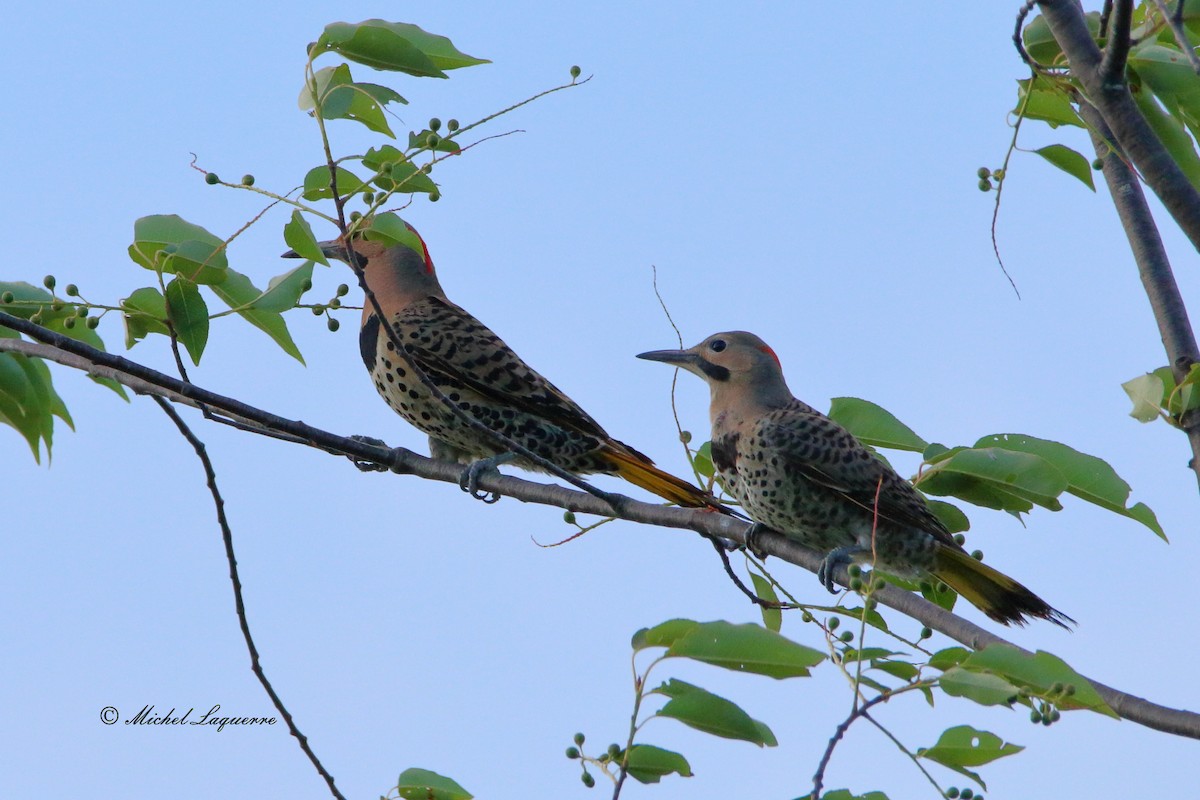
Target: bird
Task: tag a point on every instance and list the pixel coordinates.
(476, 371)
(796, 471)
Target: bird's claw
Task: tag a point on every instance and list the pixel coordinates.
(365, 465)
(752, 534)
(838, 557)
(468, 481)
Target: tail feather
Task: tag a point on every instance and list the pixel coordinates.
(640, 471)
(991, 591)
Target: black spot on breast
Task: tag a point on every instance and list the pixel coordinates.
(724, 452)
(368, 340)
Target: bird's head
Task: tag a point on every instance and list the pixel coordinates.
(733, 361)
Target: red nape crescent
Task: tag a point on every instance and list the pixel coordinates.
(771, 353)
(425, 249)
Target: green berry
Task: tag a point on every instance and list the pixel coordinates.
(942, 588)
(569, 517)
(578, 738)
(833, 623)
(435, 124)
(72, 290)
(977, 555)
(614, 751)
(855, 570)
(49, 282)
(926, 633)
(247, 180)
(806, 617)
(81, 311)
(1057, 688)
(56, 306)
(427, 168)
(318, 310)
(966, 794)
(925, 586)
(433, 139)
(1035, 716)
(343, 290)
(572, 753)
(355, 216)
(952, 793)
(960, 539)
(847, 636)
(368, 197)
(306, 285)
(984, 172)
(93, 323)
(1098, 164)
(588, 780)
(878, 584)
(998, 174)
(985, 185)
(856, 584)
(575, 72)
(335, 303)
(1055, 716)
(1012, 699)
(211, 178)
(452, 125)
(69, 322)
(434, 197)
(1069, 689)
(333, 325)
(685, 436)
(8, 297)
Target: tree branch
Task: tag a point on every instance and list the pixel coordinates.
(1114, 102)
(1154, 267)
(78, 355)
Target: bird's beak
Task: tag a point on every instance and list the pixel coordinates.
(680, 358)
(330, 249)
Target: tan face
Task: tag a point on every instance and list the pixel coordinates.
(722, 357)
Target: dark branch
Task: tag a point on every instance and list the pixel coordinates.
(1154, 267)
(227, 536)
(1116, 52)
(84, 357)
(1174, 21)
(839, 732)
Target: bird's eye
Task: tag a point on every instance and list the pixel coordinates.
(716, 345)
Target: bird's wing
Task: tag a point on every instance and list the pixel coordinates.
(451, 344)
(826, 454)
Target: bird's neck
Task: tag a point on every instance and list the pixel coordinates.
(396, 289)
(733, 404)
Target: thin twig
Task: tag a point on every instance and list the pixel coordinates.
(839, 732)
(1175, 23)
(227, 537)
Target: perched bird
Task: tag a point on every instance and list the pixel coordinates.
(798, 472)
(480, 374)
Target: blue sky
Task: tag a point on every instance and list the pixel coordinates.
(808, 176)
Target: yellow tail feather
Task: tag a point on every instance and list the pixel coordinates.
(991, 591)
(641, 472)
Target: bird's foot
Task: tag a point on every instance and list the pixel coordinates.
(363, 464)
(469, 480)
(755, 530)
(838, 557)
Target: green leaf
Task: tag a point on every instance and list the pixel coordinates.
(846, 794)
(170, 244)
(239, 293)
(1088, 478)
(702, 462)
(422, 784)
(317, 183)
(145, 312)
(1170, 131)
(772, 617)
(421, 140)
(950, 516)
(299, 236)
(1039, 671)
(662, 635)
(1069, 161)
(390, 230)
(283, 291)
(1041, 44)
(395, 173)
(27, 398)
(189, 315)
(700, 709)
(984, 688)
(948, 657)
(996, 478)
(1047, 102)
(1146, 392)
(339, 97)
(963, 746)
(874, 425)
(394, 46)
(1168, 73)
(646, 763)
(745, 648)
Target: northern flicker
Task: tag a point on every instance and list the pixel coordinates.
(798, 472)
(479, 373)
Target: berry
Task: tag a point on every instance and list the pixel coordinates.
(435, 124)
(335, 303)
(427, 168)
(1098, 164)
(368, 197)
(685, 436)
(855, 570)
(81, 311)
(306, 285)
(588, 780)
(434, 197)
(343, 290)
(247, 180)
(1035, 716)
(8, 297)
(614, 751)
(572, 753)
(578, 738)
(318, 310)
(433, 139)
(452, 125)
(569, 517)
(806, 617)
(333, 325)
(966, 794)
(960, 539)
(985, 185)
(847, 636)
(833, 623)
(575, 72)
(1069, 689)
(926, 633)
(998, 174)
(984, 172)
(977, 555)
(72, 290)
(211, 178)
(952, 793)
(355, 216)
(93, 323)
(856, 584)
(56, 306)
(49, 282)
(69, 322)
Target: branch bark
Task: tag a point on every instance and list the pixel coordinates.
(143, 380)
(1106, 89)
